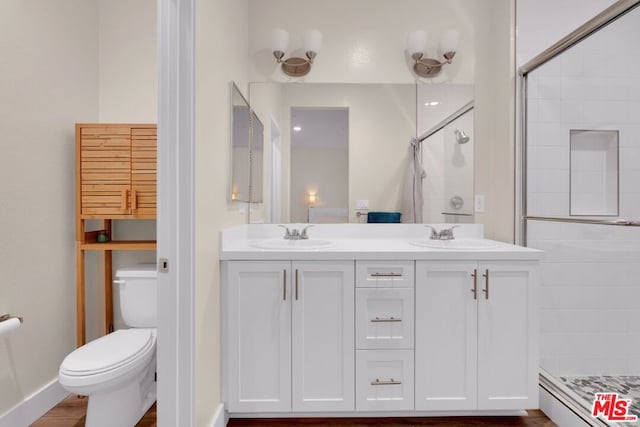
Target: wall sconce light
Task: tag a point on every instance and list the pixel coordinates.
(295, 66)
(429, 67)
(311, 198)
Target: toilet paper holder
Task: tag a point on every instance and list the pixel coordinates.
(9, 316)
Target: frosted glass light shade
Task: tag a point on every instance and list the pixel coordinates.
(449, 41)
(416, 42)
(279, 40)
(312, 40)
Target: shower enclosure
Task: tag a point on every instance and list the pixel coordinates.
(581, 205)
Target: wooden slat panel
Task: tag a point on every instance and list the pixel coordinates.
(101, 199)
(121, 177)
(109, 154)
(110, 187)
(144, 131)
(146, 144)
(139, 154)
(105, 143)
(119, 164)
(105, 130)
(101, 211)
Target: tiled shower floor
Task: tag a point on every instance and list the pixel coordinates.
(627, 387)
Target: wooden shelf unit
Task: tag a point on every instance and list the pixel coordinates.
(115, 180)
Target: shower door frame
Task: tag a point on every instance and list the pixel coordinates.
(601, 20)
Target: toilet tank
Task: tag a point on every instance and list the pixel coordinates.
(137, 289)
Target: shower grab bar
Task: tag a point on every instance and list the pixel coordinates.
(618, 222)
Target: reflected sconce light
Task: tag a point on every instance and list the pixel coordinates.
(430, 67)
(295, 66)
(311, 198)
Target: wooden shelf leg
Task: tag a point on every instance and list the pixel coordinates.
(108, 283)
(80, 327)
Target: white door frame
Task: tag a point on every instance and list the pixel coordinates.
(275, 134)
(176, 212)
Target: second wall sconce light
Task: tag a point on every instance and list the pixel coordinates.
(295, 66)
(311, 198)
(430, 67)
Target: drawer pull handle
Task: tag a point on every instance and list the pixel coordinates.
(388, 320)
(388, 382)
(386, 274)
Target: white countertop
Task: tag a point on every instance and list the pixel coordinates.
(363, 242)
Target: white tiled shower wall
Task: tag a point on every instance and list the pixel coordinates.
(590, 293)
(590, 298)
(586, 87)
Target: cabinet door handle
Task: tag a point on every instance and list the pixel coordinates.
(284, 285)
(486, 284)
(475, 283)
(387, 320)
(124, 200)
(386, 382)
(296, 284)
(134, 200)
(386, 274)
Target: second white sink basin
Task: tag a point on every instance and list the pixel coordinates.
(456, 244)
(292, 245)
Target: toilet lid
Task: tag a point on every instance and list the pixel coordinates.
(108, 352)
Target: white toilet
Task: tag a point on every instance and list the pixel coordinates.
(117, 371)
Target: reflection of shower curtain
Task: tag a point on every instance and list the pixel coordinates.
(412, 199)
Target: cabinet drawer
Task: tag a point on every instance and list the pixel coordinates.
(384, 318)
(384, 380)
(383, 274)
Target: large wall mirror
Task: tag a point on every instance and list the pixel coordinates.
(346, 146)
(247, 148)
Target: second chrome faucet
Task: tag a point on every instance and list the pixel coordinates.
(444, 234)
(295, 234)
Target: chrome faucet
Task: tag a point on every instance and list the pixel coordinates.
(295, 234)
(444, 234)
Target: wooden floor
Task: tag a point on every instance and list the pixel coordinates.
(70, 413)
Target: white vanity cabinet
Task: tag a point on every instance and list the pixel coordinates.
(476, 335)
(289, 329)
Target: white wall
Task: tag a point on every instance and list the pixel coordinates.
(221, 56)
(364, 41)
(541, 23)
(49, 82)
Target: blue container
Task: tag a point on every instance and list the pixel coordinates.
(377, 217)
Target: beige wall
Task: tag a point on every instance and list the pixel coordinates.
(49, 69)
(494, 118)
(221, 56)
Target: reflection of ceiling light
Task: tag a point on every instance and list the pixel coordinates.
(431, 104)
(297, 128)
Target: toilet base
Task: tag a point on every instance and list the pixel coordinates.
(124, 406)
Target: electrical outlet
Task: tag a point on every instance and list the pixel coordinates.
(478, 202)
(362, 204)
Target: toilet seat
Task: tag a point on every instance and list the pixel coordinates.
(110, 354)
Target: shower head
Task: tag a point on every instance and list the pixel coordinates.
(461, 137)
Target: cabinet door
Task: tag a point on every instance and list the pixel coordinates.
(104, 154)
(258, 325)
(323, 336)
(446, 336)
(507, 336)
(143, 172)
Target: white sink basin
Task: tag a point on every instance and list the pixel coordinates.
(292, 245)
(456, 244)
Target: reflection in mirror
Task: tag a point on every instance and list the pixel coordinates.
(257, 158)
(381, 121)
(240, 136)
(446, 125)
(319, 165)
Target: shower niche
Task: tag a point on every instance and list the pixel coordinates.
(593, 172)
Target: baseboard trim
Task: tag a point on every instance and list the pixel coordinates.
(34, 406)
(219, 418)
